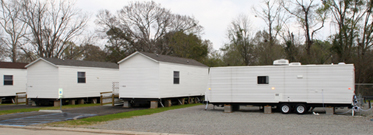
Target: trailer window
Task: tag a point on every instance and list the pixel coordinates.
(8, 79)
(263, 80)
(81, 77)
(176, 77)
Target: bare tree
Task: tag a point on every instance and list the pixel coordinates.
(354, 34)
(273, 16)
(52, 26)
(14, 28)
(310, 14)
(347, 15)
(366, 41)
(141, 24)
(240, 35)
(3, 49)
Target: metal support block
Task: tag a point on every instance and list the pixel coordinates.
(369, 104)
(80, 101)
(153, 104)
(168, 103)
(126, 104)
(267, 109)
(228, 108)
(56, 103)
(72, 102)
(94, 100)
(33, 103)
(1, 100)
(329, 110)
(182, 101)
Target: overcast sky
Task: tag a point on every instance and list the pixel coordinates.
(213, 15)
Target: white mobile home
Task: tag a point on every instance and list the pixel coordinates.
(77, 79)
(153, 77)
(287, 86)
(13, 79)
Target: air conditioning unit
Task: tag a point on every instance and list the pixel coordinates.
(281, 62)
(295, 64)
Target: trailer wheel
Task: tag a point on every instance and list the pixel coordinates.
(285, 108)
(301, 108)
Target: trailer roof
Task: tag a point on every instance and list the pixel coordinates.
(79, 63)
(13, 65)
(166, 58)
(308, 65)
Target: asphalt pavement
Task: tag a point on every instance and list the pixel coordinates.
(32, 118)
(13, 107)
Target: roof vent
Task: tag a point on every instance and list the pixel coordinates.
(281, 62)
(341, 63)
(295, 64)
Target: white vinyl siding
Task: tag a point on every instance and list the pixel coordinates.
(139, 78)
(306, 83)
(245, 84)
(19, 81)
(42, 80)
(193, 80)
(96, 80)
(330, 84)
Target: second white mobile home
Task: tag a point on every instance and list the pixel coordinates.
(153, 77)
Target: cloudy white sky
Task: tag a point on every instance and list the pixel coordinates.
(213, 15)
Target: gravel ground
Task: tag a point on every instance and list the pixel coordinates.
(195, 120)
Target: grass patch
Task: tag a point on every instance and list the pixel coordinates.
(7, 104)
(45, 108)
(104, 118)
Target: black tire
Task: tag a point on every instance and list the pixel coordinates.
(301, 108)
(285, 108)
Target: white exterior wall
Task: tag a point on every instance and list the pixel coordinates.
(332, 83)
(139, 78)
(239, 84)
(193, 80)
(97, 80)
(306, 83)
(19, 81)
(42, 80)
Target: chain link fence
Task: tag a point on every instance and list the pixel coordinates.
(364, 89)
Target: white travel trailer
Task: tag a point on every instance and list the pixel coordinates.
(13, 78)
(286, 86)
(77, 79)
(152, 77)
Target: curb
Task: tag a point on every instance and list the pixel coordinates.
(102, 131)
(51, 111)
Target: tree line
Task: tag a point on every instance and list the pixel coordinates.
(350, 43)
(32, 29)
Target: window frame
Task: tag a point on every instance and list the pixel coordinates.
(8, 80)
(263, 80)
(81, 79)
(176, 77)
